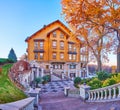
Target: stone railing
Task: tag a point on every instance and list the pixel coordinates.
(109, 93)
(73, 93)
(25, 104)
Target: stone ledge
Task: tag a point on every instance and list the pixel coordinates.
(18, 105)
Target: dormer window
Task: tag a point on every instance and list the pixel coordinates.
(54, 34)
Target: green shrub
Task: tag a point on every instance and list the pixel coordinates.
(102, 75)
(38, 80)
(77, 80)
(109, 82)
(95, 83)
(46, 79)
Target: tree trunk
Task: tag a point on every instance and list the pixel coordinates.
(118, 58)
(99, 65)
(118, 52)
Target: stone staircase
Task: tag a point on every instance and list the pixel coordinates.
(55, 77)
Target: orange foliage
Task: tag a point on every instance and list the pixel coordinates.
(93, 21)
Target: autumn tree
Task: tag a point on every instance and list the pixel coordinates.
(113, 23)
(87, 19)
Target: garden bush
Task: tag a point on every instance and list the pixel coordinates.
(46, 79)
(108, 82)
(77, 81)
(38, 80)
(95, 83)
(102, 75)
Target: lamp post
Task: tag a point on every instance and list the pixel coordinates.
(84, 69)
(62, 75)
(51, 70)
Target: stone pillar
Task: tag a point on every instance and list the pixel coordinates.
(83, 91)
(35, 93)
(37, 71)
(66, 90)
(80, 73)
(68, 72)
(76, 73)
(42, 72)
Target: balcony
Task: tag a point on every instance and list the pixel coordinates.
(38, 51)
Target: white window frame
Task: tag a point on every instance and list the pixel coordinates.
(41, 55)
(41, 44)
(70, 56)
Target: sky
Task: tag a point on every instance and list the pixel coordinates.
(21, 18)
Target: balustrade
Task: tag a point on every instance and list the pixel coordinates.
(105, 93)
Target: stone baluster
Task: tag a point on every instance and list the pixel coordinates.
(105, 94)
(118, 91)
(94, 95)
(91, 95)
(101, 94)
(110, 95)
(98, 95)
(114, 92)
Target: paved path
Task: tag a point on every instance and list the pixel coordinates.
(52, 98)
(58, 101)
(56, 86)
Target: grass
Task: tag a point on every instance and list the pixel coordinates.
(8, 91)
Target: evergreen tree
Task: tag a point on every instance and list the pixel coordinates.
(12, 55)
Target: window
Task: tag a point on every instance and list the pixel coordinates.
(73, 66)
(61, 45)
(36, 56)
(61, 67)
(54, 44)
(70, 47)
(54, 34)
(70, 56)
(54, 55)
(74, 48)
(61, 35)
(36, 45)
(47, 66)
(41, 55)
(74, 57)
(41, 44)
(61, 55)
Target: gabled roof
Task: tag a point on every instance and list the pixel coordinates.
(47, 27)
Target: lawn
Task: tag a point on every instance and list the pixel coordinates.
(8, 91)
